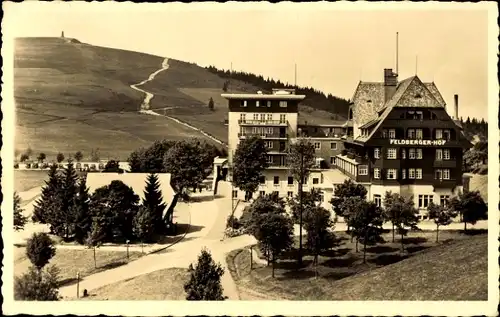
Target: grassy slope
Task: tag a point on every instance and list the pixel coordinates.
(458, 271)
(78, 92)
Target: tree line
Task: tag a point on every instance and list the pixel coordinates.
(267, 221)
(314, 98)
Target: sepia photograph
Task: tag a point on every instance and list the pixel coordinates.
(252, 158)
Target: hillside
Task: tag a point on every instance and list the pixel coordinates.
(67, 90)
(453, 271)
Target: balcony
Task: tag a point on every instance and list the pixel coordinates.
(262, 122)
(263, 135)
(445, 163)
(444, 183)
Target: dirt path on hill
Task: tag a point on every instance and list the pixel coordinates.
(146, 106)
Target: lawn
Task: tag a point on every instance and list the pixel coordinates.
(343, 263)
(166, 284)
(71, 261)
(26, 180)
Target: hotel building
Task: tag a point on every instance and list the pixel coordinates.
(398, 137)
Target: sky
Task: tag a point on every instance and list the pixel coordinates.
(333, 48)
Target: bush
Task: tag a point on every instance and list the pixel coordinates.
(28, 165)
(40, 249)
(230, 232)
(37, 285)
(16, 165)
(45, 165)
(233, 222)
(35, 165)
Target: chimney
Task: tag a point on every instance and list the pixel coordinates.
(456, 107)
(390, 83)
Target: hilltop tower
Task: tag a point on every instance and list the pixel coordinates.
(62, 34)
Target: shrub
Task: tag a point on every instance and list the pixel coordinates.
(37, 285)
(16, 165)
(233, 222)
(40, 249)
(35, 165)
(45, 165)
(28, 165)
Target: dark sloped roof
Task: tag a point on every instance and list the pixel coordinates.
(368, 99)
(369, 124)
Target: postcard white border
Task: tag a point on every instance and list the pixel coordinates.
(293, 308)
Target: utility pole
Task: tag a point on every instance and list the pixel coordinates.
(397, 53)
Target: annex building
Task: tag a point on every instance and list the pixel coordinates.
(398, 137)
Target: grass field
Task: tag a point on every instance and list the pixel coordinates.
(71, 261)
(26, 180)
(387, 275)
(167, 284)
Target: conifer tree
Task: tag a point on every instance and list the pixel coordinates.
(69, 191)
(19, 219)
(44, 207)
(204, 283)
(153, 202)
(81, 212)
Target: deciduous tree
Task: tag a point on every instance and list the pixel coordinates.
(19, 219)
(59, 157)
(471, 207)
(366, 222)
(41, 157)
(249, 161)
(343, 191)
(301, 159)
(144, 225)
(78, 156)
(441, 215)
(310, 200)
(401, 211)
(112, 166)
(40, 249)
(205, 279)
(319, 226)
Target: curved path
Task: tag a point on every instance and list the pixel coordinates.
(146, 106)
(206, 232)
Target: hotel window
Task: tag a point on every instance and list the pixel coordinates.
(411, 173)
(392, 133)
(270, 159)
(262, 117)
(317, 145)
(257, 103)
(363, 170)
(269, 103)
(439, 155)
(290, 180)
(262, 179)
(418, 173)
(256, 116)
(419, 154)
(439, 134)
(419, 115)
(443, 199)
(333, 145)
(376, 153)
(262, 193)
(269, 116)
(321, 196)
(376, 173)
(391, 153)
(391, 173)
(446, 134)
(315, 181)
(283, 104)
(242, 117)
(384, 133)
(403, 173)
(411, 154)
(235, 193)
(411, 133)
(282, 118)
(438, 174)
(403, 154)
(446, 174)
(333, 160)
(276, 180)
(269, 130)
(378, 200)
(243, 103)
(446, 154)
(419, 134)
(424, 200)
(269, 144)
(276, 193)
(290, 194)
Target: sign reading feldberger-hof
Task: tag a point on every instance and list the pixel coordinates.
(418, 142)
